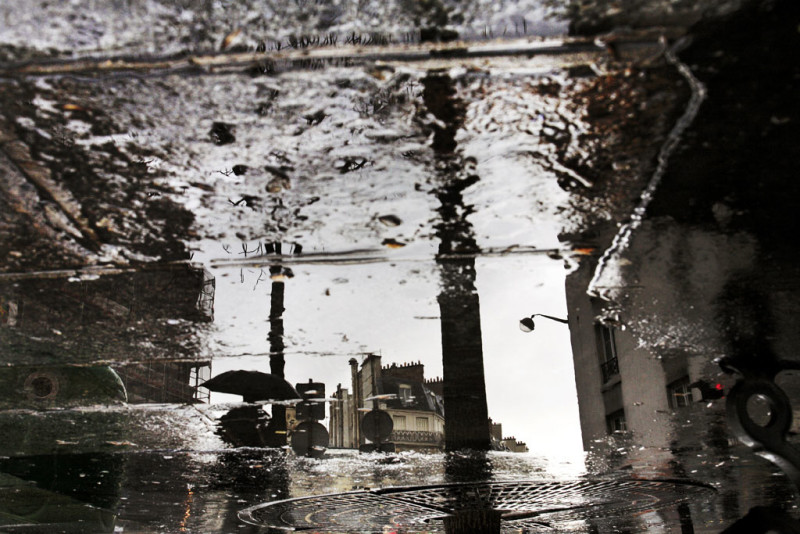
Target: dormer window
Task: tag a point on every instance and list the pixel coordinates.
(404, 394)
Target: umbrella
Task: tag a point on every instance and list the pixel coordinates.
(252, 386)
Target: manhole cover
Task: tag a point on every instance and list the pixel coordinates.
(535, 506)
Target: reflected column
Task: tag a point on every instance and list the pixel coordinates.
(466, 414)
(276, 432)
(474, 511)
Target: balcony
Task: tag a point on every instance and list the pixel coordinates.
(610, 368)
(417, 436)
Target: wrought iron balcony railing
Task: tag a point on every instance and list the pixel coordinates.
(416, 436)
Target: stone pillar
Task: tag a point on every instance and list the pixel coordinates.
(466, 414)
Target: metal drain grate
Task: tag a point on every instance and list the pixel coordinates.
(532, 506)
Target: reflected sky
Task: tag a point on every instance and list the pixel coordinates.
(392, 311)
(336, 165)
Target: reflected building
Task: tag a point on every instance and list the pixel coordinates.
(500, 442)
(165, 382)
(415, 403)
(688, 298)
(171, 381)
(709, 274)
(417, 411)
(512, 444)
(658, 409)
(624, 386)
(144, 319)
(711, 270)
(77, 339)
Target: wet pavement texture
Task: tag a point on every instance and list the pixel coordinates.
(355, 204)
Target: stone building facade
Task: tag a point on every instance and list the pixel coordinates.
(417, 411)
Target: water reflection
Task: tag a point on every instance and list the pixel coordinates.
(411, 187)
(80, 346)
(464, 389)
(694, 315)
(122, 315)
(72, 492)
(277, 429)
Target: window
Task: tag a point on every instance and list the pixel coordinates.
(422, 424)
(607, 347)
(616, 422)
(405, 394)
(399, 422)
(608, 343)
(8, 315)
(679, 393)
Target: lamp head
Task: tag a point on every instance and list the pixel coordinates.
(526, 324)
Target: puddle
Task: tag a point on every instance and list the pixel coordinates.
(247, 263)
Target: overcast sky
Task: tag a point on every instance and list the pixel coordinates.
(334, 313)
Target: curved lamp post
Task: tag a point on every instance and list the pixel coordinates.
(526, 324)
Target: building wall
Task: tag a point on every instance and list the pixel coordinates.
(348, 409)
(369, 378)
(436, 385)
(514, 445)
(412, 437)
(586, 360)
(644, 392)
(346, 413)
(435, 421)
(342, 420)
(345, 417)
(640, 389)
(496, 430)
(162, 382)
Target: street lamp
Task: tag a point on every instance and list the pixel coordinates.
(526, 324)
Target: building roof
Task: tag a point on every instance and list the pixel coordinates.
(421, 398)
